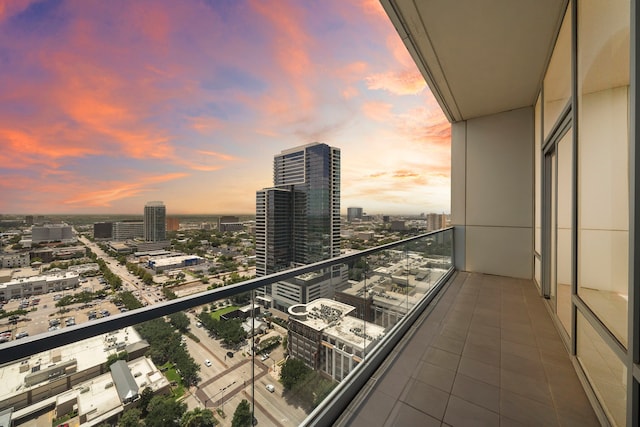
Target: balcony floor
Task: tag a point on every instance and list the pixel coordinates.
(487, 354)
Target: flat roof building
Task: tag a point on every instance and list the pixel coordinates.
(324, 335)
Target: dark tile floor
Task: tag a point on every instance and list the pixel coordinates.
(487, 354)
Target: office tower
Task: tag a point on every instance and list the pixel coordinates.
(354, 213)
(155, 221)
(103, 230)
(298, 220)
(127, 229)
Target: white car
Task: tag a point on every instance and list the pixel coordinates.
(207, 362)
(270, 388)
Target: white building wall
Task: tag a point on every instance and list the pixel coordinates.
(492, 208)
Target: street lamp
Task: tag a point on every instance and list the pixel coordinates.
(222, 391)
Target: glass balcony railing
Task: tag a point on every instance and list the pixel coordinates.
(291, 348)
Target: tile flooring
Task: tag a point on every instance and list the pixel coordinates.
(487, 354)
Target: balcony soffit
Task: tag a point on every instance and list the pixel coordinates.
(479, 57)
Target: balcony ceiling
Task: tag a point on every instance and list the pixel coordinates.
(479, 57)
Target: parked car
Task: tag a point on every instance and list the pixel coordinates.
(270, 388)
(207, 362)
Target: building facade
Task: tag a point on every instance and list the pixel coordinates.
(173, 223)
(103, 230)
(324, 335)
(14, 260)
(298, 220)
(155, 221)
(125, 230)
(354, 213)
(52, 233)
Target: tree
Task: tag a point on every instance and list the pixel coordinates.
(113, 358)
(198, 418)
(242, 415)
(293, 372)
(130, 418)
(145, 398)
(164, 412)
(180, 321)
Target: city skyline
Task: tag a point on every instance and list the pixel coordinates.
(103, 108)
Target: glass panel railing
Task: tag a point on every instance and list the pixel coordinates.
(164, 352)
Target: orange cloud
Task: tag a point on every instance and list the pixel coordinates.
(397, 83)
(290, 48)
(205, 125)
(119, 190)
(350, 92)
(378, 111)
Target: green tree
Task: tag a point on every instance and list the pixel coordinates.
(242, 415)
(145, 398)
(130, 418)
(113, 358)
(180, 321)
(293, 372)
(198, 418)
(164, 412)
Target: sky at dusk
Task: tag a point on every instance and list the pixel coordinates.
(105, 105)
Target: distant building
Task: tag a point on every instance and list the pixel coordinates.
(128, 229)
(397, 225)
(226, 219)
(436, 221)
(327, 339)
(28, 219)
(230, 226)
(103, 230)
(160, 264)
(354, 213)
(173, 223)
(52, 233)
(155, 221)
(14, 260)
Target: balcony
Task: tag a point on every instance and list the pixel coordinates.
(398, 335)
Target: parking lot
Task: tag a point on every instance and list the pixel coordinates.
(43, 313)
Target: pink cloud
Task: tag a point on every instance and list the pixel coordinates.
(206, 125)
(116, 190)
(398, 83)
(378, 111)
(9, 8)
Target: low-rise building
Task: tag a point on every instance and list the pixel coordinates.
(35, 285)
(44, 376)
(52, 233)
(160, 264)
(326, 338)
(13, 260)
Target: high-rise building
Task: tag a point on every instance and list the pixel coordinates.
(298, 220)
(354, 213)
(155, 221)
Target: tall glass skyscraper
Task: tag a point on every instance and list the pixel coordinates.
(298, 219)
(155, 222)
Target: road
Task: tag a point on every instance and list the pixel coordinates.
(129, 281)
